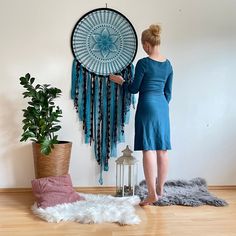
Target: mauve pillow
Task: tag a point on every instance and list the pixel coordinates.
(53, 190)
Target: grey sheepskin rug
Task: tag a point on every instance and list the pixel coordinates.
(181, 192)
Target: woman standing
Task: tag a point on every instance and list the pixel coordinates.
(153, 81)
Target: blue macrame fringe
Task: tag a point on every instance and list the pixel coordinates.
(74, 80)
(133, 98)
(96, 89)
(120, 137)
(111, 130)
(112, 109)
(104, 124)
(80, 97)
(87, 110)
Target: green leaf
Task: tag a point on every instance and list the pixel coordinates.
(26, 94)
(23, 139)
(23, 80)
(26, 126)
(27, 76)
(46, 146)
(32, 80)
(25, 120)
(33, 139)
(43, 128)
(29, 134)
(37, 86)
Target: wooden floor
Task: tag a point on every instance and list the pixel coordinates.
(16, 219)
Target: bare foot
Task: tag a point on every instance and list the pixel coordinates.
(149, 201)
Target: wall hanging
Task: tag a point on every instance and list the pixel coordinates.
(103, 42)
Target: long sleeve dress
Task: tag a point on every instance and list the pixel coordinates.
(153, 81)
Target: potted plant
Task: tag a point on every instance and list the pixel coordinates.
(40, 124)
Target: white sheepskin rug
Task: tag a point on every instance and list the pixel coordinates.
(95, 209)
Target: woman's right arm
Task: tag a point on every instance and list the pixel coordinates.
(134, 86)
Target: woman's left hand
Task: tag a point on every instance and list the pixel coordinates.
(117, 79)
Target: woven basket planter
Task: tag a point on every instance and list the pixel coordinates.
(56, 163)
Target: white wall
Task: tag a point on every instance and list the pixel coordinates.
(198, 37)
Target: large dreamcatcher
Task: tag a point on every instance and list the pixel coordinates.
(103, 42)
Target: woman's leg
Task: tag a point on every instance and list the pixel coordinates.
(162, 165)
(150, 173)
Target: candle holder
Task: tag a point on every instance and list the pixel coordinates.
(126, 174)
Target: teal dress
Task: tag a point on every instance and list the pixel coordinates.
(153, 81)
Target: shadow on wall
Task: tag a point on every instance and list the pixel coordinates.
(16, 162)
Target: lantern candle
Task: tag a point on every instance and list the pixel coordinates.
(126, 174)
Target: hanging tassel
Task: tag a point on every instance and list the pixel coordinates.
(128, 97)
(119, 114)
(108, 135)
(99, 122)
(74, 87)
(123, 113)
(84, 99)
(104, 124)
(112, 119)
(128, 94)
(132, 78)
(102, 128)
(80, 85)
(114, 144)
(133, 98)
(74, 80)
(87, 107)
(92, 108)
(96, 108)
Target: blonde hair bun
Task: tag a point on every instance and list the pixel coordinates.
(152, 35)
(155, 30)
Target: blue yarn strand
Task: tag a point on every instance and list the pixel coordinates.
(120, 137)
(74, 78)
(112, 109)
(104, 123)
(133, 98)
(80, 98)
(88, 113)
(96, 98)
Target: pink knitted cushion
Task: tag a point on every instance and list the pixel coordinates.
(53, 190)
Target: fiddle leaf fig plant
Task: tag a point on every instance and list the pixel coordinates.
(41, 117)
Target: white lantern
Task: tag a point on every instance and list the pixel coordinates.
(126, 174)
